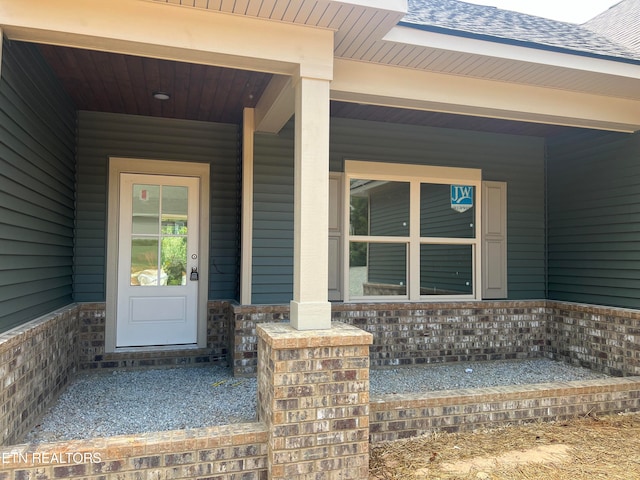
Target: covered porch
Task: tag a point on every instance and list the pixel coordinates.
(279, 149)
(289, 119)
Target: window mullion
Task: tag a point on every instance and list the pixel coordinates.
(448, 240)
(159, 260)
(377, 239)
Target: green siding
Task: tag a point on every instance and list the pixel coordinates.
(594, 219)
(37, 170)
(101, 136)
(273, 218)
(517, 160)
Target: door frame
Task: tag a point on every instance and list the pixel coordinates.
(118, 165)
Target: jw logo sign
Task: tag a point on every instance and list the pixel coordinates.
(461, 197)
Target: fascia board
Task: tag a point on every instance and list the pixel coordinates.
(399, 6)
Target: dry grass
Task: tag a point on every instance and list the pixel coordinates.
(607, 448)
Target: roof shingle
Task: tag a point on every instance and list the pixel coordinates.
(620, 23)
(507, 26)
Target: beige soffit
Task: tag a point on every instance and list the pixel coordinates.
(357, 23)
(477, 58)
(368, 30)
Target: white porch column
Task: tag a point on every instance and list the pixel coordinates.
(310, 308)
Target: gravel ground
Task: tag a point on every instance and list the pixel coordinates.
(126, 402)
(475, 375)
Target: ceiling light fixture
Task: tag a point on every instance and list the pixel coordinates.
(161, 95)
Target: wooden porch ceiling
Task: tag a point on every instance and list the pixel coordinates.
(116, 83)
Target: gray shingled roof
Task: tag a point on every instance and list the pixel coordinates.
(620, 23)
(461, 18)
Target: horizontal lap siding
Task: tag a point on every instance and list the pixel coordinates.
(37, 170)
(273, 218)
(111, 135)
(594, 219)
(517, 160)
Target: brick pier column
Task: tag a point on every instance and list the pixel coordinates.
(313, 395)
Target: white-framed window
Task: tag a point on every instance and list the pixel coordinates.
(412, 232)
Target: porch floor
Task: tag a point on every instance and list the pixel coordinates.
(129, 402)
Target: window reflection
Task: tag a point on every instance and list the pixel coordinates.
(379, 208)
(174, 259)
(442, 242)
(144, 263)
(174, 210)
(146, 209)
(175, 206)
(438, 219)
(159, 235)
(377, 269)
(446, 269)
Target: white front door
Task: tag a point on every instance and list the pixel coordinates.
(158, 260)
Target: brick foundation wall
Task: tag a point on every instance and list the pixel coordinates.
(603, 339)
(416, 334)
(245, 337)
(401, 416)
(37, 361)
(92, 355)
(327, 426)
(222, 453)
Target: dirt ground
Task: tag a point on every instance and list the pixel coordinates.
(582, 448)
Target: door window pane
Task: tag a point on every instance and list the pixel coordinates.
(439, 219)
(174, 210)
(144, 263)
(379, 208)
(446, 269)
(146, 209)
(377, 269)
(174, 260)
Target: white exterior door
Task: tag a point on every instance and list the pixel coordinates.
(158, 259)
